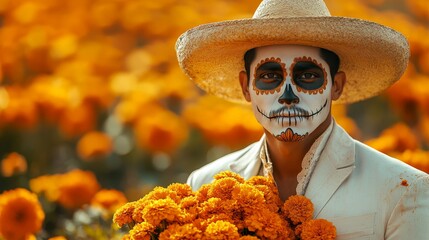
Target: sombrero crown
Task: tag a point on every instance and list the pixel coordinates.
(373, 56)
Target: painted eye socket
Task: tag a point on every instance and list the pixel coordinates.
(269, 76)
(308, 76)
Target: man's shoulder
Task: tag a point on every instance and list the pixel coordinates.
(205, 174)
(373, 160)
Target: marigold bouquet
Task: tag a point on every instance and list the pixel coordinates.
(228, 208)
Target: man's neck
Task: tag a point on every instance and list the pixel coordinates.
(287, 156)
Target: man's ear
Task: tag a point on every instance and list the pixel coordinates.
(338, 85)
(244, 83)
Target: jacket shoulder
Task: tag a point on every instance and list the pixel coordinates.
(385, 164)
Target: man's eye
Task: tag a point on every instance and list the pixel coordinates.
(308, 76)
(271, 76)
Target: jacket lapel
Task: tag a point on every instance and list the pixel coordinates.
(335, 164)
(249, 163)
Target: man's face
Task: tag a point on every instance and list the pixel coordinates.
(290, 89)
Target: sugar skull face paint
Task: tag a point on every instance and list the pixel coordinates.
(290, 91)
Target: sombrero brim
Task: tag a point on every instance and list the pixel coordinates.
(373, 56)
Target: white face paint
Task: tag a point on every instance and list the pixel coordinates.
(290, 88)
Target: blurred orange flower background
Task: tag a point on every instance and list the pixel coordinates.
(92, 101)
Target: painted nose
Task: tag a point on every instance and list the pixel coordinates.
(288, 97)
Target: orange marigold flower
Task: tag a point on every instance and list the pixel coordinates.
(221, 230)
(298, 209)
(223, 188)
(261, 180)
(399, 137)
(248, 198)
(12, 164)
(94, 145)
(109, 199)
(216, 206)
(58, 238)
(273, 201)
(318, 229)
(142, 231)
(181, 232)
(163, 209)
(76, 120)
(269, 189)
(161, 193)
(47, 185)
(248, 238)
(182, 190)
(269, 225)
(124, 214)
(77, 188)
(226, 174)
(202, 193)
(160, 131)
(21, 214)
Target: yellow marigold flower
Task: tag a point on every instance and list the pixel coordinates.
(189, 205)
(47, 185)
(226, 174)
(318, 229)
(163, 209)
(109, 199)
(124, 214)
(298, 209)
(182, 190)
(77, 188)
(221, 230)
(12, 164)
(268, 225)
(142, 231)
(20, 109)
(94, 145)
(21, 214)
(223, 188)
(181, 232)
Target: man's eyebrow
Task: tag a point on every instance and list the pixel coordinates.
(270, 66)
(304, 65)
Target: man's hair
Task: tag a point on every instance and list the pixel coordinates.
(330, 57)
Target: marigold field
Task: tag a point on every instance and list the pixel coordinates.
(95, 112)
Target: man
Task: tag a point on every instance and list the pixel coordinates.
(297, 59)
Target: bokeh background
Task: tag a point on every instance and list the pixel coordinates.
(91, 92)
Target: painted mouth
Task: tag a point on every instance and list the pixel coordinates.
(291, 115)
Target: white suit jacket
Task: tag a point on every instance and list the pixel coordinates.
(354, 186)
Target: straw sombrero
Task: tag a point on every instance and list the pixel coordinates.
(373, 56)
